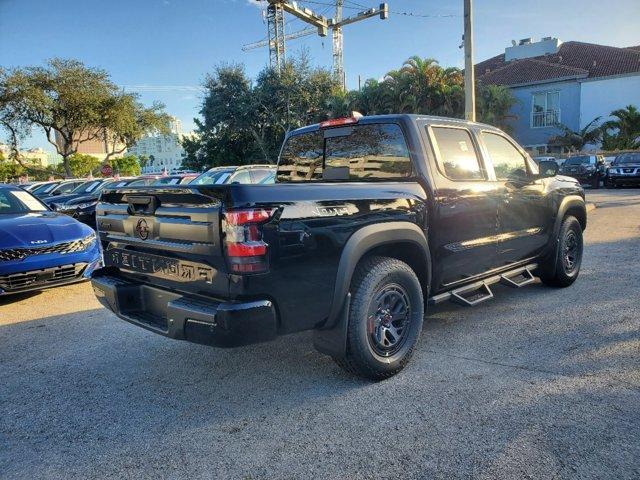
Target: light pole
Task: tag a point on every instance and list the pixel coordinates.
(469, 74)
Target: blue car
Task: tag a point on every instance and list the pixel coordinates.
(40, 248)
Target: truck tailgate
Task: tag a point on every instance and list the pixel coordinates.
(167, 236)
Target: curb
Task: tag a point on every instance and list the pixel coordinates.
(590, 206)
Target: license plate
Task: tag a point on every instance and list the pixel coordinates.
(157, 266)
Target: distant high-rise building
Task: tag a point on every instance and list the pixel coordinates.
(163, 151)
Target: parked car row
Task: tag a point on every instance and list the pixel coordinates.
(45, 234)
(596, 170)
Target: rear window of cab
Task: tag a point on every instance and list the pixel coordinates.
(370, 152)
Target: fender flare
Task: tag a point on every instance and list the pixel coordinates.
(331, 338)
(567, 202)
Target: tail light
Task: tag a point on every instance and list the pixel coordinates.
(244, 246)
(342, 122)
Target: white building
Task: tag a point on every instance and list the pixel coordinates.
(37, 155)
(163, 151)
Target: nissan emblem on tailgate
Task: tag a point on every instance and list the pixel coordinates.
(142, 229)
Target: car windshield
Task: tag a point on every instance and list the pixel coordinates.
(627, 158)
(582, 160)
(19, 201)
(212, 177)
(45, 187)
(167, 181)
(142, 182)
(87, 187)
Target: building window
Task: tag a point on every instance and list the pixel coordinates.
(546, 109)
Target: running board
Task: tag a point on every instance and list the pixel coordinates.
(472, 295)
(480, 291)
(511, 279)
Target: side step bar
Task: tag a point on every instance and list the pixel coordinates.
(517, 278)
(478, 292)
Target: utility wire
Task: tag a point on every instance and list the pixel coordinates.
(358, 6)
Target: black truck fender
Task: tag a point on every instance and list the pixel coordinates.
(331, 337)
(575, 205)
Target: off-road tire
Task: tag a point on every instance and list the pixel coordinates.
(565, 272)
(373, 278)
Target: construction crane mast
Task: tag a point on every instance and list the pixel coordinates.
(276, 35)
(338, 46)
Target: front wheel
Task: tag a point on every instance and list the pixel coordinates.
(385, 318)
(568, 258)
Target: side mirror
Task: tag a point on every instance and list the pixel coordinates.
(548, 168)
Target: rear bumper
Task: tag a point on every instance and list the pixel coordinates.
(219, 324)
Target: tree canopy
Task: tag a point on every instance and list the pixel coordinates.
(73, 104)
(245, 122)
(623, 130)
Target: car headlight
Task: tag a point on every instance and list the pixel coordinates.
(590, 168)
(89, 240)
(82, 206)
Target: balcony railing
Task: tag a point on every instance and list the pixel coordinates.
(548, 118)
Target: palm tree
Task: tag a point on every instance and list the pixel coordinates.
(625, 128)
(427, 82)
(494, 105)
(574, 141)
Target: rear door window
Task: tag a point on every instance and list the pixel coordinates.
(375, 152)
(456, 154)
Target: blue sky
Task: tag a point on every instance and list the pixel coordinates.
(164, 48)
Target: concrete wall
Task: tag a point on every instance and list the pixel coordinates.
(569, 108)
(599, 98)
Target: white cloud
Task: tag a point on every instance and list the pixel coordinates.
(261, 4)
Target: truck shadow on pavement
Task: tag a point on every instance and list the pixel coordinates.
(538, 380)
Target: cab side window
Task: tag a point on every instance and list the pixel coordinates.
(241, 177)
(456, 154)
(508, 162)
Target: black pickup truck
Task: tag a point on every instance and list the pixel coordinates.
(370, 219)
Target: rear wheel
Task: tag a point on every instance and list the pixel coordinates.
(385, 318)
(568, 258)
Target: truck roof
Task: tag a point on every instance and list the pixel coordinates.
(399, 118)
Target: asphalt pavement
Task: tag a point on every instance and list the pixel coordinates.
(537, 383)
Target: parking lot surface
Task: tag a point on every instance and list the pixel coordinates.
(537, 383)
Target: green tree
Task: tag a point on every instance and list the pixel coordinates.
(128, 165)
(64, 98)
(494, 104)
(246, 123)
(74, 104)
(575, 140)
(622, 132)
(125, 121)
(12, 117)
(80, 165)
